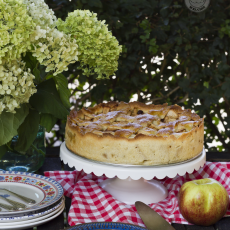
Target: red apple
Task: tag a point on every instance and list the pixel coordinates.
(203, 202)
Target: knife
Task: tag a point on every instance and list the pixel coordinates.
(151, 219)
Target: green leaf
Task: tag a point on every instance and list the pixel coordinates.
(153, 47)
(165, 3)
(3, 150)
(62, 87)
(9, 123)
(47, 100)
(166, 21)
(27, 132)
(31, 61)
(48, 121)
(49, 76)
(184, 83)
(216, 120)
(206, 84)
(164, 12)
(36, 73)
(95, 3)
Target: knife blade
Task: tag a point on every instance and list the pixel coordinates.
(151, 219)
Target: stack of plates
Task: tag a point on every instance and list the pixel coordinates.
(47, 200)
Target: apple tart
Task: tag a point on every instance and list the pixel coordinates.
(135, 133)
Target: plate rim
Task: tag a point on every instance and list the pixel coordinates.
(39, 214)
(106, 227)
(55, 184)
(39, 218)
(33, 224)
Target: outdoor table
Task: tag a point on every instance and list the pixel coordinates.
(53, 163)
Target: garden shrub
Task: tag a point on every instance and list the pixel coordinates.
(169, 54)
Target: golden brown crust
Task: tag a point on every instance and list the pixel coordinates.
(135, 133)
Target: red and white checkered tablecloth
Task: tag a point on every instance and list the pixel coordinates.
(90, 203)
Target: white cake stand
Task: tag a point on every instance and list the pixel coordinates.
(131, 183)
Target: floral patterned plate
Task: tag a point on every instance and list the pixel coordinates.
(106, 226)
(45, 191)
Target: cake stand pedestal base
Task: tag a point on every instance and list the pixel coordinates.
(129, 191)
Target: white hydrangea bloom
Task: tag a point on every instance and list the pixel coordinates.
(41, 13)
(16, 85)
(56, 51)
(51, 47)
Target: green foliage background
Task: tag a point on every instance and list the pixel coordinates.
(193, 70)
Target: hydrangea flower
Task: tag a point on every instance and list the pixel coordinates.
(30, 26)
(41, 13)
(16, 86)
(98, 49)
(51, 47)
(56, 51)
(16, 26)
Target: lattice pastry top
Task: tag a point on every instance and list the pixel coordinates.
(129, 120)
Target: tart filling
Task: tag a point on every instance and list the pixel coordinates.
(135, 133)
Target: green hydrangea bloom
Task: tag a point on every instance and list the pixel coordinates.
(56, 51)
(16, 86)
(98, 49)
(15, 29)
(51, 47)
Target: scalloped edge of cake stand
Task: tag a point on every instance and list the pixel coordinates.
(134, 172)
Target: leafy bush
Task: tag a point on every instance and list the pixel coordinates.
(170, 54)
